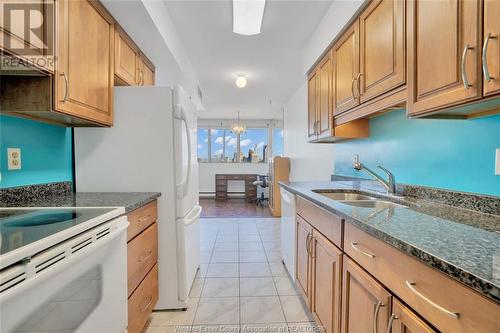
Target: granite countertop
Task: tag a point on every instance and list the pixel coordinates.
(128, 200)
(461, 243)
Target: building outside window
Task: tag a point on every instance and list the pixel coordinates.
(220, 145)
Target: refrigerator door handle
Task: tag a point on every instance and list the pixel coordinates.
(193, 215)
(182, 187)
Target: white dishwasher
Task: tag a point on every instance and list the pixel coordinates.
(288, 231)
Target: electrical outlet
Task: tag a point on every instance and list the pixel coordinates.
(14, 158)
(497, 162)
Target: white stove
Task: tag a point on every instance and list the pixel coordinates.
(63, 270)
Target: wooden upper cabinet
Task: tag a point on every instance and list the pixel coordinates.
(404, 320)
(443, 54)
(382, 48)
(324, 100)
(312, 110)
(346, 70)
(126, 59)
(303, 259)
(366, 305)
(36, 48)
(85, 73)
(326, 279)
(491, 48)
(146, 72)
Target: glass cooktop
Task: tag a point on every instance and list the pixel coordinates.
(22, 226)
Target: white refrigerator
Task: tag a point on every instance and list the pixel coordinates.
(151, 148)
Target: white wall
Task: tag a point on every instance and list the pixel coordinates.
(207, 173)
(336, 17)
(308, 161)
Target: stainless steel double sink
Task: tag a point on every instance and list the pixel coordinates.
(357, 199)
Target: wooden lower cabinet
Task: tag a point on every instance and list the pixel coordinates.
(326, 283)
(142, 302)
(366, 305)
(303, 259)
(142, 270)
(404, 320)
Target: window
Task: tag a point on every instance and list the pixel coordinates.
(203, 145)
(220, 145)
(277, 142)
(253, 145)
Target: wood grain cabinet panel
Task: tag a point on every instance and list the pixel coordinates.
(141, 218)
(142, 302)
(85, 71)
(491, 48)
(443, 54)
(312, 106)
(303, 259)
(142, 254)
(366, 305)
(126, 59)
(326, 280)
(382, 48)
(404, 320)
(147, 72)
(324, 100)
(346, 70)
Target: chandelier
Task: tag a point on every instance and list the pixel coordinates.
(238, 128)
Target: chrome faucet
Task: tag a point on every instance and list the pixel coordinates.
(389, 184)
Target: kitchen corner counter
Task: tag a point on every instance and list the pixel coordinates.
(129, 200)
(461, 243)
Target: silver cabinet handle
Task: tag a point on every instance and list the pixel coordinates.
(411, 286)
(358, 84)
(352, 87)
(147, 303)
(375, 316)
(317, 127)
(307, 243)
(463, 69)
(355, 247)
(66, 85)
(486, 72)
(146, 257)
(389, 325)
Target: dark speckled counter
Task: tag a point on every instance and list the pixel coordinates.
(461, 243)
(129, 200)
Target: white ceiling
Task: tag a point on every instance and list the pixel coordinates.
(272, 61)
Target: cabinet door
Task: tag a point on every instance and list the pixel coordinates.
(147, 73)
(126, 59)
(443, 54)
(382, 48)
(366, 305)
(346, 70)
(85, 72)
(312, 110)
(325, 107)
(303, 264)
(491, 48)
(404, 320)
(326, 279)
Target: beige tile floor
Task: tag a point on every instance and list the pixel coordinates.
(242, 285)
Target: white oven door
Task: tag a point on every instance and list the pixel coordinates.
(79, 286)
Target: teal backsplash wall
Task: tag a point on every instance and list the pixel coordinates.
(452, 154)
(46, 152)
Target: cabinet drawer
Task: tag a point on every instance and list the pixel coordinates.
(142, 302)
(428, 291)
(325, 222)
(142, 254)
(141, 218)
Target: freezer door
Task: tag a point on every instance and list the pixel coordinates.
(186, 161)
(188, 243)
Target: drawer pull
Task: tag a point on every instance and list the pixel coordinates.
(355, 247)
(389, 325)
(146, 257)
(411, 286)
(147, 303)
(375, 316)
(144, 218)
(463, 68)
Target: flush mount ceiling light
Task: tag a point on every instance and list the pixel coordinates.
(241, 81)
(247, 16)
